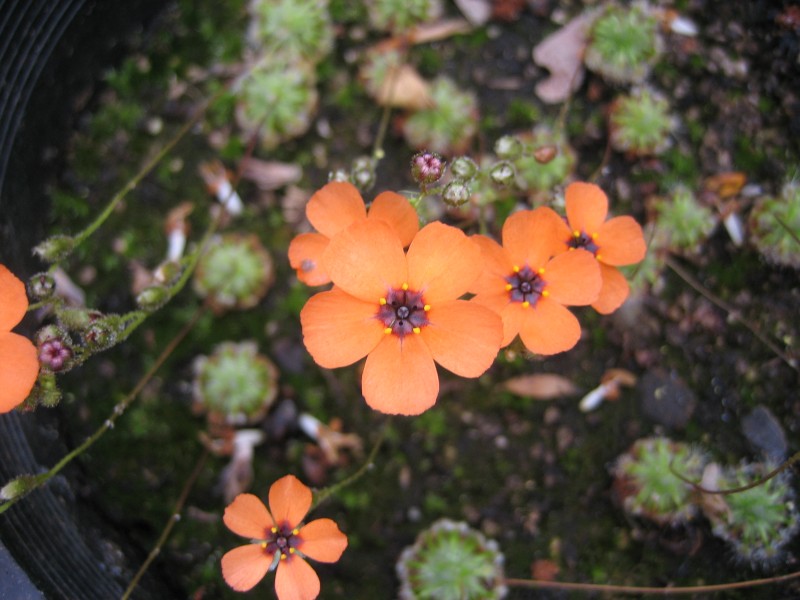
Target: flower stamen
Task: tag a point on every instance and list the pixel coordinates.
(526, 286)
(403, 312)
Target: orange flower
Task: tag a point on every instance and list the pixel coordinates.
(402, 312)
(278, 537)
(332, 209)
(529, 289)
(616, 242)
(19, 364)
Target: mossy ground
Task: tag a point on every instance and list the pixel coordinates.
(530, 474)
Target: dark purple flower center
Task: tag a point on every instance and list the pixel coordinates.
(403, 311)
(526, 286)
(581, 239)
(281, 540)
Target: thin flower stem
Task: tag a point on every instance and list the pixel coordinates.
(742, 488)
(173, 519)
(731, 310)
(323, 494)
(661, 591)
(119, 409)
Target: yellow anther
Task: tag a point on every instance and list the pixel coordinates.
(508, 287)
(594, 236)
(516, 268)
(404, 286)
(576, 233)
(382, 301)
(283, 557)
(274, 530)
(263, 545)
(387, 331)
(598, 257)
(295, 531)
(292, 550)
(526, 304)
(416, 330)
(545, 293)
(426, 308)
(541, 271)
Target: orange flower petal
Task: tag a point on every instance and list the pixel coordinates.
(587, 206)
(442, 262)
(573, 278)
(531, 237)
(13, 300)
(495, 258)
(400, 376)
(511, 313)
(247, 516)
(339, 329)
(334, 207)
(245, 566)
(397, 211)
(621, 242)
(19, 367)
(366, 260)
(614, 291)
(322, 541)
(289, 501)
(549, 328)
(296, 580)
(463, 337)
(305, 256)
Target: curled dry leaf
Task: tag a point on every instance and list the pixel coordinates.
(270, 174)
(561, 53)
(544, 570)
(725, 185)
(610, 383)
(543, 386)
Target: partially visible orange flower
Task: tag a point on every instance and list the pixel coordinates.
(278, 537)
(402, 312)
(616, 242)
(19, 363)
(333, 208)
(529, 289)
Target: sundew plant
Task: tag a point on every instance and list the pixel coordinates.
(292, 317)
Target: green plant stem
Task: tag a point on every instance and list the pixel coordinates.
(656, 591)
(323, 494)
(118, 411)
(731, 310)
(173, 519)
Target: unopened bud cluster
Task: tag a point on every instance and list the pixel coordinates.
(427, 167)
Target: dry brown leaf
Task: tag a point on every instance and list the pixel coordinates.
(544, 570)
(726, 185)
(270, 174)
(404, 88)
(543, 386)
(561, 53)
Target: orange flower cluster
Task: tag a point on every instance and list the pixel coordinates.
(278, 537)
(19, 363)
(404, 310)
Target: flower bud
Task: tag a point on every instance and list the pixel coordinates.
(54, 349)
(45, 392)
(503, 173)
(102, 334)
(463, 168)
(427, 167)
(456, 193)
(508, 147)
(152, 298)
(338, 175)
(55, 248)
(41, 286)
(17, 487)
(362, 173)
(77, 319)
(545, 154)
